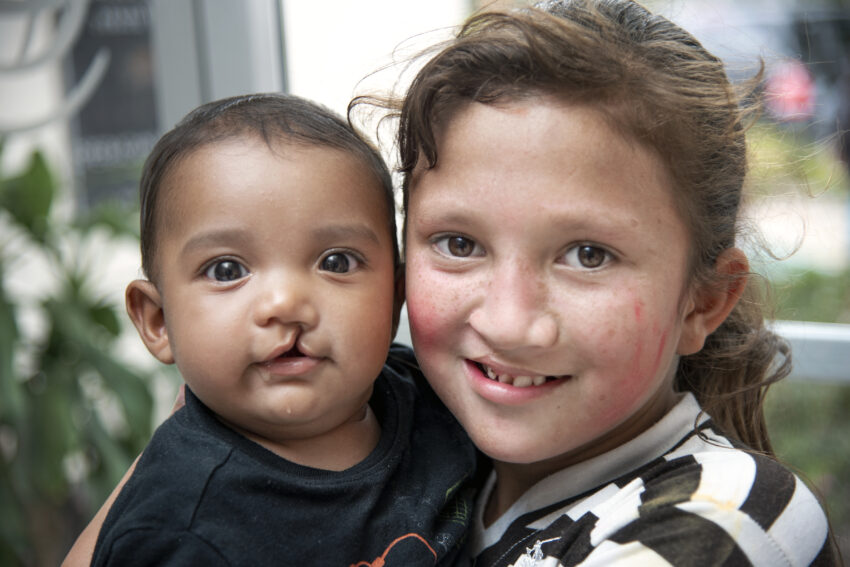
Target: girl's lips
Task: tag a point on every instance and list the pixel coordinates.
(507, 389)
(516, 378)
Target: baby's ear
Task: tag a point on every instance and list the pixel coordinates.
(709, 305)
(144, 305)
(398, 300)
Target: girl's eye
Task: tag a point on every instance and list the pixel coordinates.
(587, 256)
(458, 246)
(339, 263)
(226, 271)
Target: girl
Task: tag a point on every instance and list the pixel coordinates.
(572, 180)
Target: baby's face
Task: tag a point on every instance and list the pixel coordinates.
(546, 281)
(277, 279)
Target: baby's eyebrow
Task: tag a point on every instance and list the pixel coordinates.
(335, 232)
(327, 234)
(217, 237)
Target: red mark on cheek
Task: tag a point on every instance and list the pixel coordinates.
(638, 373)
(637, 359)
(662, 342)
(638, 355)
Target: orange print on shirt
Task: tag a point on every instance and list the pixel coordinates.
(381, 560)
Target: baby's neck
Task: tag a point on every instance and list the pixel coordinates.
(336, 450)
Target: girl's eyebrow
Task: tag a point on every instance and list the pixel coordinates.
(574, 220)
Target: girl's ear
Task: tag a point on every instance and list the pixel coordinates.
(144, 305)
(710, 305)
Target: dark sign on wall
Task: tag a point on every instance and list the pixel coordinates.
(116, 128)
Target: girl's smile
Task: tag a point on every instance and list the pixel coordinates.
(547, 281)
(510, 389)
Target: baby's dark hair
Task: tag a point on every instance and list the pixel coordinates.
(657, 85)
(273, 118)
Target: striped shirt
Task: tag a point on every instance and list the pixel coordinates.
(689, 499)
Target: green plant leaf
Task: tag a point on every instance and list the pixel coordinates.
(112, 460)
(12, 536)
(51, 416)
(131, 389)
(117, 218)
(74, 331)
(105, 316)
(11, 396)
(28, 196)
(54, 432)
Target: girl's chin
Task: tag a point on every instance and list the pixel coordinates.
(528, 449)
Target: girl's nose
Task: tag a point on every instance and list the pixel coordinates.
(285, 299)
(514, 313)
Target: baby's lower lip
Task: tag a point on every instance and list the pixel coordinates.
(291, 366)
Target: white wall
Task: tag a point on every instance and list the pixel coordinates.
(332, 45)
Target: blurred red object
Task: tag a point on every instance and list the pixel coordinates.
(790, 92)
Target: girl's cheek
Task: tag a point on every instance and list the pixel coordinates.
(423, 313)
(650, 342)
(644, 372)
(423, 326)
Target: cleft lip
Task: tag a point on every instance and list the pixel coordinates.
(287, 363)
(291, 349)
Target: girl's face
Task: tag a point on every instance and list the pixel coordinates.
(547, 283)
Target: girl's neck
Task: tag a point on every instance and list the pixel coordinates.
(514, 479)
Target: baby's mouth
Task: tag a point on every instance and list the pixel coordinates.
(515, 381)
(294, 352)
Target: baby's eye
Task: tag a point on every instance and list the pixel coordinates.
(339, 263)
(587, 256)
(226, 271)
(457, 246)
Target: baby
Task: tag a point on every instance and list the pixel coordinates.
(269, 246)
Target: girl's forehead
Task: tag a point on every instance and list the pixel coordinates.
(543, 163)
(540, 132)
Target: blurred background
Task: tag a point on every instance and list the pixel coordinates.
(87, 86)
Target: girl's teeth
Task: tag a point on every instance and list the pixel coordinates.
(516, 381)
(522, 381)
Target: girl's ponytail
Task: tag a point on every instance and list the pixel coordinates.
(730, 375)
